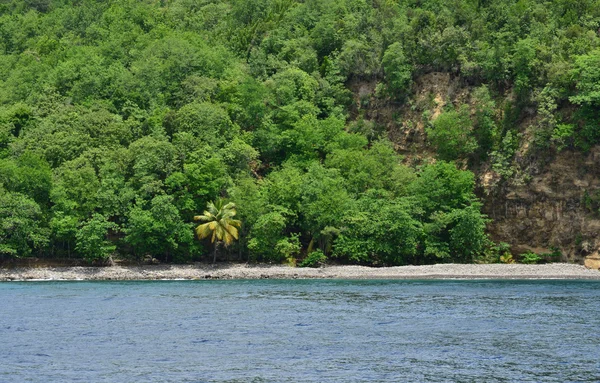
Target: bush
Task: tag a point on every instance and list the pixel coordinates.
(553, 256)
(494, 252)
(531, 258)
(314, 259)
(507, 258)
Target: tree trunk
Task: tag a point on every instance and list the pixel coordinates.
(215, 253)
(311, 245)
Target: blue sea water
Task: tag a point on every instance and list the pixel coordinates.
(300, 331)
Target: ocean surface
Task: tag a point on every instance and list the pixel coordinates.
(300, 331)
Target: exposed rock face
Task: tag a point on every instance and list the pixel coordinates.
(554, 205)
(556, 208)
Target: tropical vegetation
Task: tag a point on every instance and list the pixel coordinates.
(121, 119)
(218, 224)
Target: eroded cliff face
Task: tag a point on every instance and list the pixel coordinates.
(556, 208)
(551, 202)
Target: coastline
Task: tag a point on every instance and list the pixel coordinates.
(246, 271)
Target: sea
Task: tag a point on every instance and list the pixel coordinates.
(300, 331)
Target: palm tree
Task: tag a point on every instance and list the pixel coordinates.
(219, 224)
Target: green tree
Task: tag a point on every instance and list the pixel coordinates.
(586, 75)
(379, 167)
(21, 229)
(219, 224)
(442, 187)
(27, 174)
(453, 225)
(92, 240)
(208, 122)
(157, 229)
(451, 134)
(267, 240)
(456, 236)
(324, 201)
(398, 71)
(379, 230)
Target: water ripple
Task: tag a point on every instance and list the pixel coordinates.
(300, 331)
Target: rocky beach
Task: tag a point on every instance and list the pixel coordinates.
(246, 271)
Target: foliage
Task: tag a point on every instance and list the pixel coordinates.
(92, 239)
(314, 259)
(398, 71)
(219, 224)
(586, 73)
(530, 258)
(379, 230)
(485, 128)
(267, 239)
(502, 158)
(289, 248)
(458, 235)
(495, 253)
(157, 229)
(507, 258)
(451, 134)
(441, 187)
(20, 228)
(119, 120)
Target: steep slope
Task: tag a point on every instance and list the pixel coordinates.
(547, 202)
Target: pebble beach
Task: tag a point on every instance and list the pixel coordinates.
(246, 271)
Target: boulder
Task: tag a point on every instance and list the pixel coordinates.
(592, 261)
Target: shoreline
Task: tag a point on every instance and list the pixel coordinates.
(263, 271)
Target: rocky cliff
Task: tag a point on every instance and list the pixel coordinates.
(548, 202)
(556, 209)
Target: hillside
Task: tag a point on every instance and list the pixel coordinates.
(547, 199)
(366, 132)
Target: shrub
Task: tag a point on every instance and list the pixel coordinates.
(507, 258)
(493, 252)
(530, 258)
(314, 259)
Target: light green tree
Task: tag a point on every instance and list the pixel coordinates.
(219, 224)
(92, 240)
(21, 225)
(452, 134)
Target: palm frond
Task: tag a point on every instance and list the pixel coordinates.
(204, 230)
(232, 231)
(220, 225)
(206, 216)
(227, 239)
(229, 206)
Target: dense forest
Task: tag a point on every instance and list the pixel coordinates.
(121, 120)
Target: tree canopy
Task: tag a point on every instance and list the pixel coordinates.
(121, 119)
